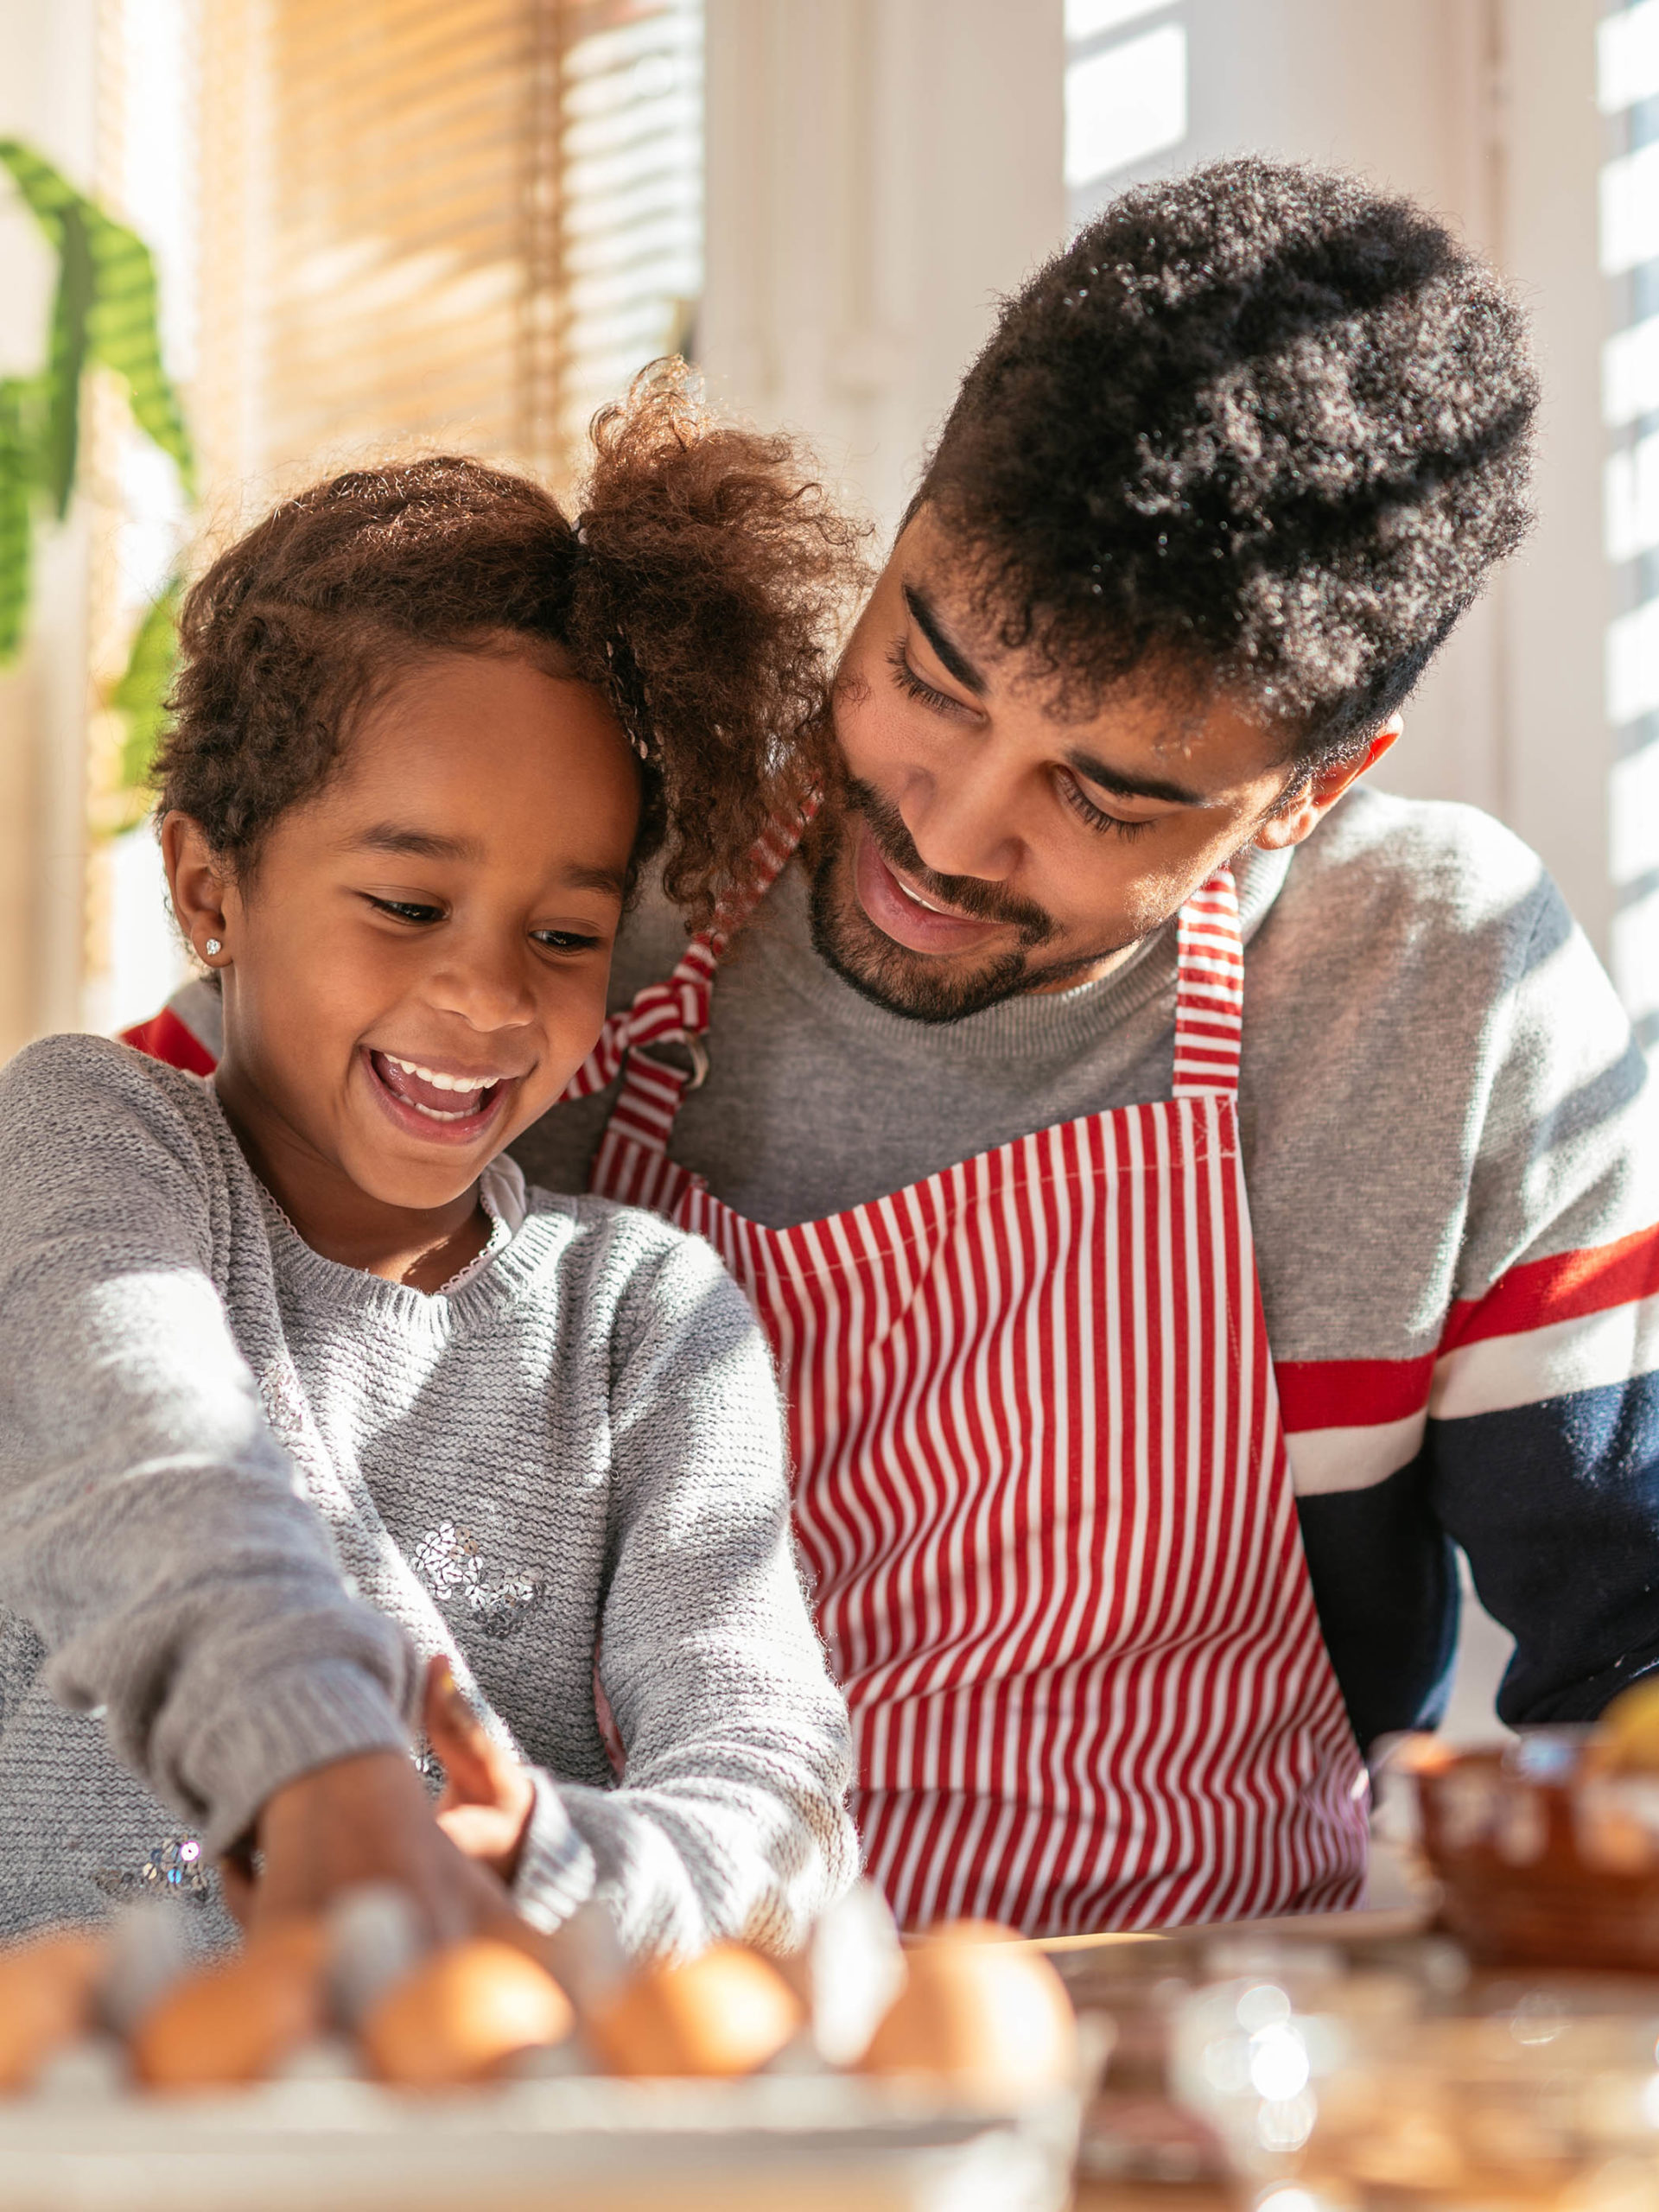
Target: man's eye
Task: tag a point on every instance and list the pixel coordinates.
(405, 910)
(1110, 825)
(917, 687)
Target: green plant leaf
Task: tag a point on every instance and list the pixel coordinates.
(70, 313)
(140, 693)
(106, 311)
(46, 191)
(17, 478)
(124, 330)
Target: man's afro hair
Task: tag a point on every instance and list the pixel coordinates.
(1259, 422)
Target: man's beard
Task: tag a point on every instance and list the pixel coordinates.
(919, 985)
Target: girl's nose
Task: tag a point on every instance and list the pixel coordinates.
(487, 985)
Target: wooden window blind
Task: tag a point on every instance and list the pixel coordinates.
(425, 222)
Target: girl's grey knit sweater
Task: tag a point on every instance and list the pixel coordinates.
(246, 1491)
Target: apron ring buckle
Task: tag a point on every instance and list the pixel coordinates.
(696, 1051)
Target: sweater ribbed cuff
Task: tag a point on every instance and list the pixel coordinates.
(556, 1868)
(300, 1719)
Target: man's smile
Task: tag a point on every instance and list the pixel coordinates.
(902, 913)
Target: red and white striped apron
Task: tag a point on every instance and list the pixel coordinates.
(1043, 1494)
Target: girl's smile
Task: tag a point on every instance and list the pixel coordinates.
(445, 1108)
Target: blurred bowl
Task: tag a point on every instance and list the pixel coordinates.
(1543, 1860)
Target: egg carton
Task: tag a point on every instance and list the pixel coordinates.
(581, 2144)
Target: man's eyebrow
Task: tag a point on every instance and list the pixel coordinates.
(952, 656)
(1122, 785)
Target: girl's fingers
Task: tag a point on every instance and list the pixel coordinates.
(479, 1771)
(485, 1834)
(456, 1734)
(237, 1885)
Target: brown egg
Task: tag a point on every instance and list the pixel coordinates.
(46, 1988)
(727, 2012)
(1421, 1753)
(982, 2011)
(1626, 1738)
(462, 2013)
(236, 2021)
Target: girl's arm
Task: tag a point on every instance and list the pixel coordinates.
(730, 1820)
(151, 1526)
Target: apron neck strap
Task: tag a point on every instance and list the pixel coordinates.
(677, 1010)
(771, 854)
(1209, 992)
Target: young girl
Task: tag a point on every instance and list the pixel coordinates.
(303, 1388)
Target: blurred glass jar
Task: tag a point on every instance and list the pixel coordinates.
(1364, 2092)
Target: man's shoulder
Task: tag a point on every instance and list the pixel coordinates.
(1435, 858)
(1409, 876)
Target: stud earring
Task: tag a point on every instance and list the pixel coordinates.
(212, 947)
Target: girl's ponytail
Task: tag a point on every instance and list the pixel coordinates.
(709, 579)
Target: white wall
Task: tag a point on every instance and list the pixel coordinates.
(47, 87)
(879, 171)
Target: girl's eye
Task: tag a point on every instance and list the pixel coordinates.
(1095, 817)
(405, 910)
(917, 687)
(563, 941)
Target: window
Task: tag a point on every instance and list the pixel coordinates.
(464, 224)
(1628, 87)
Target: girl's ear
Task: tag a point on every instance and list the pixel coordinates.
(199, 884)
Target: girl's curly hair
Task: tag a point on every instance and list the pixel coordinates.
(697, 590)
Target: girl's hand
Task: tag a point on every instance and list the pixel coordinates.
(487, 1799)
(367, 1818)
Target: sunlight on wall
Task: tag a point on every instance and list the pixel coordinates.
(1126, 93)
(149, 146)
(1628, 93)
(632, 189)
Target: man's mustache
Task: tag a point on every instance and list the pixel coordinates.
(969, 895)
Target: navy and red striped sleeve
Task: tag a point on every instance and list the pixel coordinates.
(1530, 1439)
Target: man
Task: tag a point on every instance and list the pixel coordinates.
(987, 1083)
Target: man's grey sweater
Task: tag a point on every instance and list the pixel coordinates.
(246, 1491)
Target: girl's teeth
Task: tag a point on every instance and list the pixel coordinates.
(441, 1081)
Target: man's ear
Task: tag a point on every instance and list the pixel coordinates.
(1294, 817)
(201, 889)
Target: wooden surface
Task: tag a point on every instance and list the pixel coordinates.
(1151, 2197)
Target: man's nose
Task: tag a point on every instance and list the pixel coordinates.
(961, 824)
